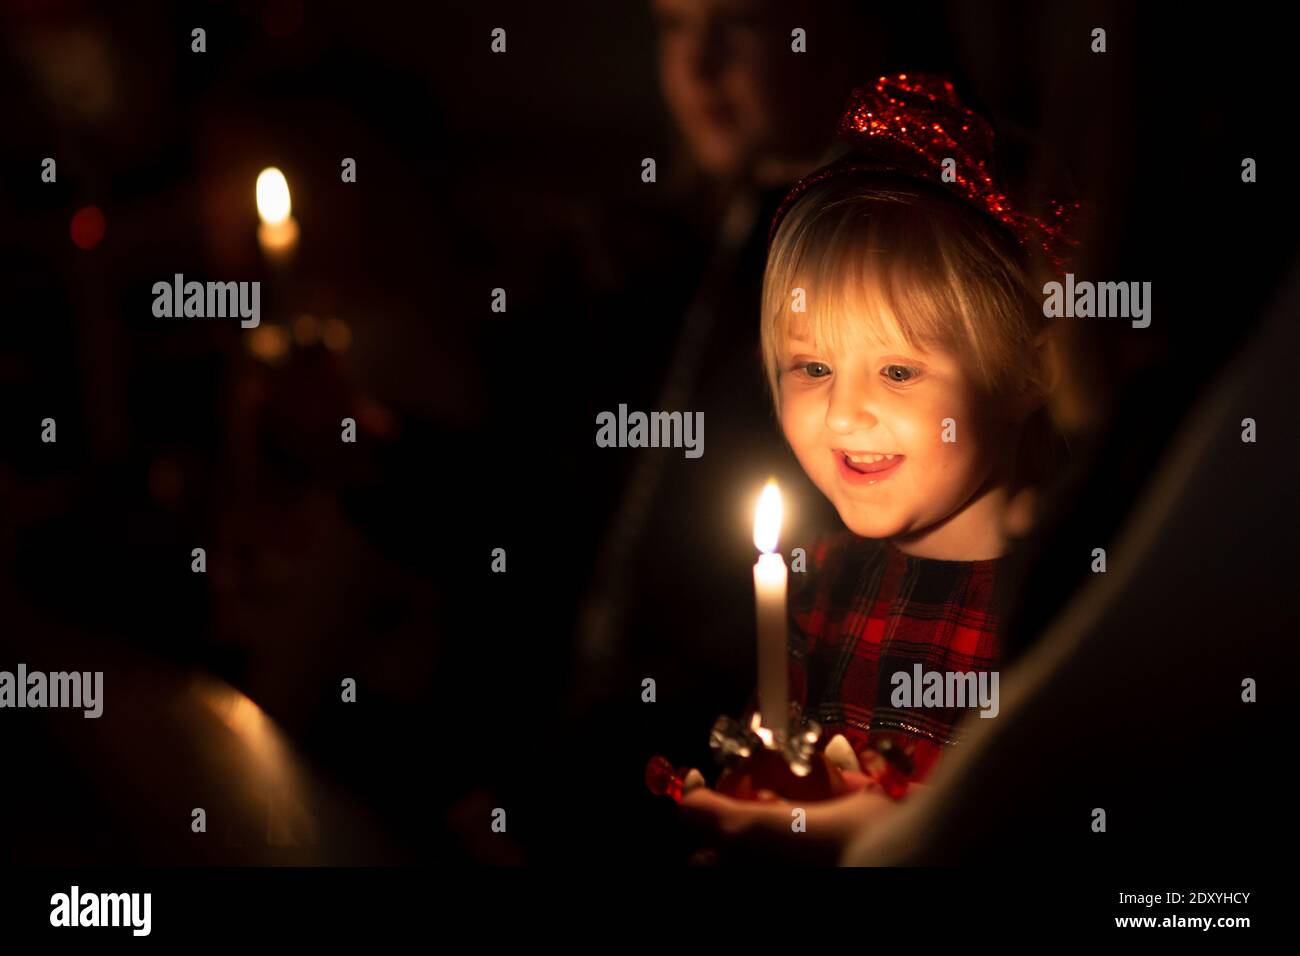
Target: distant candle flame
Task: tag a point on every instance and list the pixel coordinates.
(273, 203)
(767, 518)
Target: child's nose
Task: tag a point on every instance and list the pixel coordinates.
(850, 409)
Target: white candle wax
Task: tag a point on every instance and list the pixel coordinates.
(769, 597)
(769, 594)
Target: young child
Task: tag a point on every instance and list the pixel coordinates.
(906, 350)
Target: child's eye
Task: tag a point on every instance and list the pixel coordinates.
(899, 374)
(813, 369)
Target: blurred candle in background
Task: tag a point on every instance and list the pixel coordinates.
(278, 232)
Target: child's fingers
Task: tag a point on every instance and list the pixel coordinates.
(712, 812)
(692, 780)
(857, 780)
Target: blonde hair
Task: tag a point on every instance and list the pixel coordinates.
(874, 253)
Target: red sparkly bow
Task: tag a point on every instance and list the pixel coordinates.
(910, 123)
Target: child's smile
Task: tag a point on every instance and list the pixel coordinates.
(859, 467)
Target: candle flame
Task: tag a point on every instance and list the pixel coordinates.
(767, 518)
(273, 203)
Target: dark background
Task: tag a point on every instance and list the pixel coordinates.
(372, 561)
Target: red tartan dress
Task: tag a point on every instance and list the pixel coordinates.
(865, 610)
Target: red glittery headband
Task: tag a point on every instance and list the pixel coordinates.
(908, 124)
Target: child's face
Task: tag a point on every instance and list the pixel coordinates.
(892, 399)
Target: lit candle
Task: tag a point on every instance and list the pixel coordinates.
(769, 595)
(278, 232)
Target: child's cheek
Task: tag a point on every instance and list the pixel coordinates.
(954, 447)
(799, 421)
(916, 433)
(788, 421)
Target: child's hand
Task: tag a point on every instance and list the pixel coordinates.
(770, 826)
